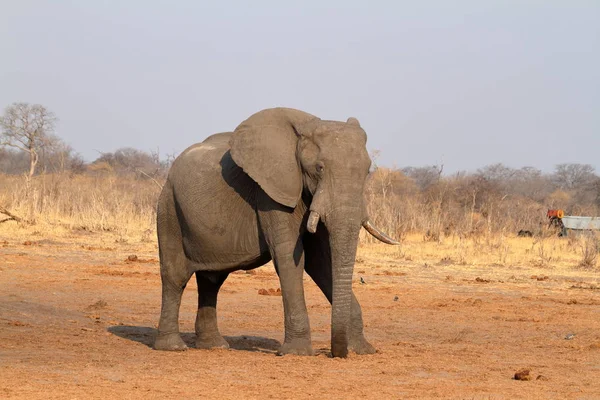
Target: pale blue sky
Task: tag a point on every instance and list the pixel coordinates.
(469, 82)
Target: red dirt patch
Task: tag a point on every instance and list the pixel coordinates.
(74, 326)
(270, 292)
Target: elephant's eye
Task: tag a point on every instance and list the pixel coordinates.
(320, 168)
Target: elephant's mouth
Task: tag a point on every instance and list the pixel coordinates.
(313, 221)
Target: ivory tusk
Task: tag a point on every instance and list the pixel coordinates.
(378, 234)
(313, 221)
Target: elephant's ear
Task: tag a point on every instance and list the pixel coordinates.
(267, 153)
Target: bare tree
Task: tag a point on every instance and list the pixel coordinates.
(27, 127)
(496, 172)
(127, 160)
(572, 176)
(424, 177)
(58, 156)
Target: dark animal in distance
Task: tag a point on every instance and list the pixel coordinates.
(523, 233)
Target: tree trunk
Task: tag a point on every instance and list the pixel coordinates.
(33, 160)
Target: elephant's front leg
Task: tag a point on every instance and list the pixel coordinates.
(356, 340)
(297, 327)
(318, 266)
(288, 256)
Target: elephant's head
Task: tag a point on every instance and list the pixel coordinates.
(290, 153)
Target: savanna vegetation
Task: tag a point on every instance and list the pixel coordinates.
(46, 184)
(464, 307)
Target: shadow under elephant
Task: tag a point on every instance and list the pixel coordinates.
(146, 335)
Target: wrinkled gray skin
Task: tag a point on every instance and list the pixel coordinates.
(243, 198)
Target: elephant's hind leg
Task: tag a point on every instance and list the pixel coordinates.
(207, 331)
(174, 273)
(168, 337)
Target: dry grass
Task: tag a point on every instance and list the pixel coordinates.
(590, 247)
(55, 203)
(124, 209)
(550, 254)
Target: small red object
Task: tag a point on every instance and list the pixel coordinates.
(555, 214)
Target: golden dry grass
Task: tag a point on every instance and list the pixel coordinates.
(549, 253)
(112, 208)
(62, 203)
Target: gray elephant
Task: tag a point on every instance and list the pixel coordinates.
(284, 186)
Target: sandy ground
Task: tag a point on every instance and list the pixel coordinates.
(77, 321)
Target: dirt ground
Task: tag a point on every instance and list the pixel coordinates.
(77, 320)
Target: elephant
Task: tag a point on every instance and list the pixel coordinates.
(284, 186)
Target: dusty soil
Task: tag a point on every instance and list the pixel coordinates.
(77, 321)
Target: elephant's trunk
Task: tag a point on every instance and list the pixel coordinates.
(343, 214)
(343, 226)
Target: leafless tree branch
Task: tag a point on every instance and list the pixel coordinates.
(27, 127)
(10, 215)
(148, 176)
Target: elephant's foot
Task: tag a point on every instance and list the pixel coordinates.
(359, 345)
(211, 342)
(169, 342)
(301, 347)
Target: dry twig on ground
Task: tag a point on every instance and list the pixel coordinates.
(11, 216)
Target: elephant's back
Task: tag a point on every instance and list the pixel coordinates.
(216, 200)
(202, 155)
